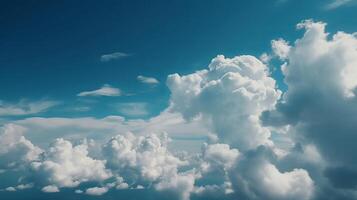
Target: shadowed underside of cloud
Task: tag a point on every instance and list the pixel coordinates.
(236, 105)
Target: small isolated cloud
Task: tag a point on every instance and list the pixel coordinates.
(50, 189)
(25, 107)
(134, 109)
(105, 90)
(147, 80)
(280, 48)
(337, 3)
(96, 191)
(113, 56)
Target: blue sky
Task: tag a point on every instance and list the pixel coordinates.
(180, 99)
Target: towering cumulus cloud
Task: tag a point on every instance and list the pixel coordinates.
(230, 96)
(320, 104)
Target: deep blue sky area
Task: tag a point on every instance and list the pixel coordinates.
(52, 49)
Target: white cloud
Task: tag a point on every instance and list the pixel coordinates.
(133, 109)
(177, 186)
(280, 48)
(50, 189)
(337, 3)
(148, 155)
(65, 165)
(88, 127)
(230, 96)
(219, 155)
(147, 80)
(15, 149)
(25, 107)
(105, 90)
(96, 191)
(113, 56)
(255, 177)
(321, 106)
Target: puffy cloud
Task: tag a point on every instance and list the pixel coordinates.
(113, 56)
(147, 80)
(65, 165)
(177, 186)
(105, 90)
(96, 191)
(280, 48)
(50, 189)
(320, 104)
(230, 96)
(25, 107)
(15, 149)
(218, 155)
(146, 155)
(255, 177)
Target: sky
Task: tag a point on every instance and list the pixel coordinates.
(180, 99)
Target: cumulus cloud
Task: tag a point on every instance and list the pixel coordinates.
(320, 104)
(113, 56)
(147, 80)
(105, 90)
(24, 107)
(177, 186)
(230, 96)
(96, 191)
(148, 155)
(65, 165)
(15, 149)
(50, 189)
(256, 177)
(280, 48)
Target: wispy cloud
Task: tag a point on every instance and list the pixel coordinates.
(25, 107)
(135, 109)
(113, 56)
(337, 3)
(105, 90)
(147, 80)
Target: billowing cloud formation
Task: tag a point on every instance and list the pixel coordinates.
(148, 155)
(231, 95)
(65, 165)
(15, 149)
(320, 104)
(105, 90)
(256, 177)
